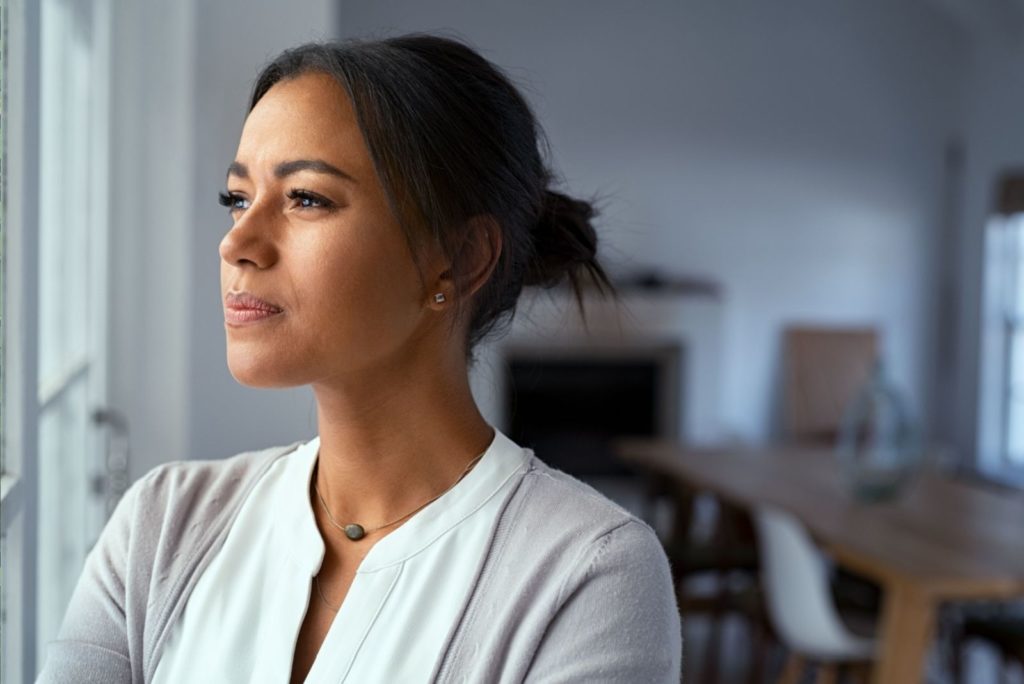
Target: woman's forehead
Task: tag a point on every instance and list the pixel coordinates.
(306, 117)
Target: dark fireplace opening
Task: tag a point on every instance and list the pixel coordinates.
(569, 408)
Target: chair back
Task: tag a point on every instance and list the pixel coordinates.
(799, 598)
(823, 370)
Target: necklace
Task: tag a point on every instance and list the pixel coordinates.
(316, 580)
(355, 531)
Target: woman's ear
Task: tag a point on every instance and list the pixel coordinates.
(483, 248)
(476, 257)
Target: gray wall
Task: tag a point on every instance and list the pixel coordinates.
(233, 41)
(152, 160)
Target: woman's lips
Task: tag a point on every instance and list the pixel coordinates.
(247, 316)
(243, 308)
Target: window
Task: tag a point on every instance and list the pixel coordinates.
(1013, 423)
(1001, 433)
(56, 96)
(72, 292)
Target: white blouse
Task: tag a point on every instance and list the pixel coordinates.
(243, 618)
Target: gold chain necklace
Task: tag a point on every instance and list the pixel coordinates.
(355, 531)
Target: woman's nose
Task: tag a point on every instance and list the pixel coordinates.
(250, 240)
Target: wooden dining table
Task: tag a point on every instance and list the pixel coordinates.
(942, 539)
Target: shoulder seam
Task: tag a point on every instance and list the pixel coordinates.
(594, 549)
(595, 496)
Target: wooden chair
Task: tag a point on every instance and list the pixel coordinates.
(1003, 631)
(729, 556)
(822, 370)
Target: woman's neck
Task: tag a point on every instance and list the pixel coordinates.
(389, 445)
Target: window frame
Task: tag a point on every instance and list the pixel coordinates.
(38, 37)
(20, 353)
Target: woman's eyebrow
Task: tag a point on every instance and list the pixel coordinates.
(289, 167)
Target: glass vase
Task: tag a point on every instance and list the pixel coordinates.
(878, 445)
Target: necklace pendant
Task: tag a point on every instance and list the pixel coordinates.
(354, 532)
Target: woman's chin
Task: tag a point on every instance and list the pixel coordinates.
(257, 373)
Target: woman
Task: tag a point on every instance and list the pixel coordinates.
(389, 202)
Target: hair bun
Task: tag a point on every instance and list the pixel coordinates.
(564, 240)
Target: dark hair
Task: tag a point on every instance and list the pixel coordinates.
(451, 138)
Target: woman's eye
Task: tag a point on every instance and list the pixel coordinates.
(309, 200)
(233, 201)
(303, 199)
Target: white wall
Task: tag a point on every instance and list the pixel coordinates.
(791, 151)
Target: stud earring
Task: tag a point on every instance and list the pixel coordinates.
(439, 298)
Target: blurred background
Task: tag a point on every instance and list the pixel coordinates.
(814, 213)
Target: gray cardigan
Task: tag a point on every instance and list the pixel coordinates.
(572, 588)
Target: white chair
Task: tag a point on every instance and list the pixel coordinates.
(800, 606)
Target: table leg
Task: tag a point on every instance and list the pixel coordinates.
(908, 621)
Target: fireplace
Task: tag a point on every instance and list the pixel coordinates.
(569, 403)
(645, 364)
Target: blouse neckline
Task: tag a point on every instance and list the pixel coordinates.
(502, 459)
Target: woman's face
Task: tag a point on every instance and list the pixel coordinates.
(313, 235)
